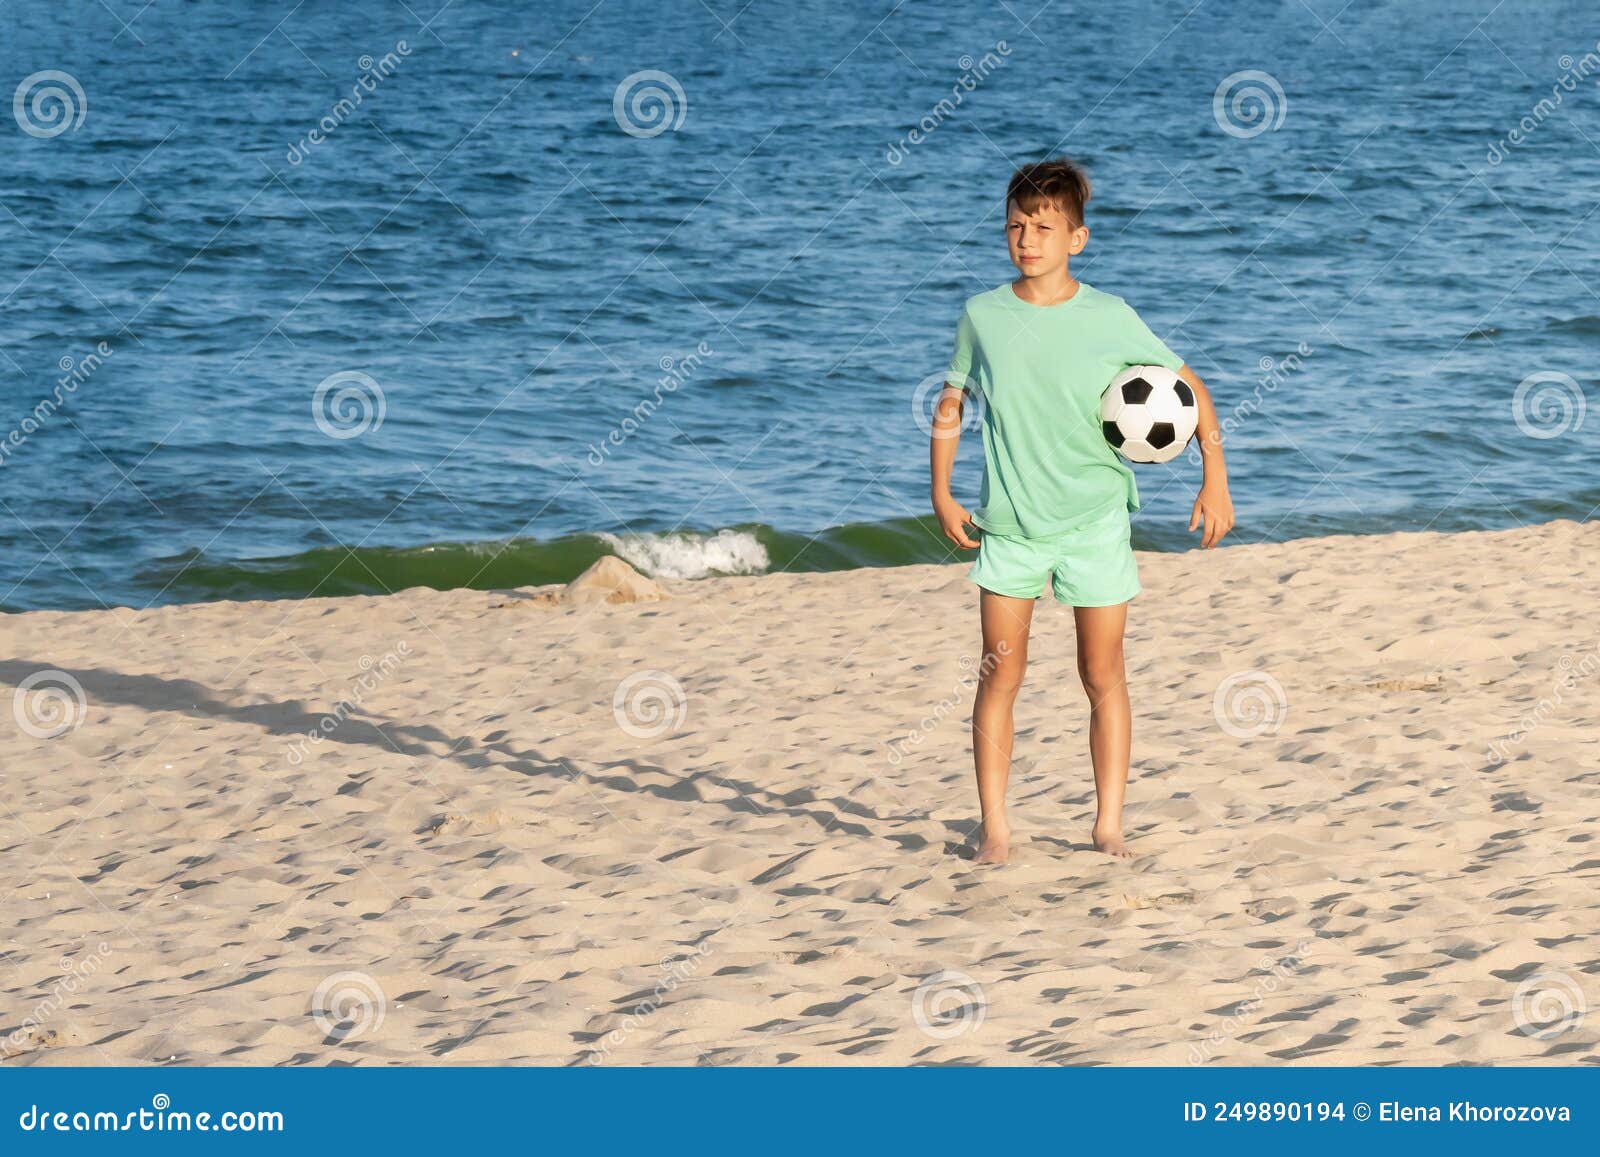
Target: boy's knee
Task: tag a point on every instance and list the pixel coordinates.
(1003, 679)
(1101, 676)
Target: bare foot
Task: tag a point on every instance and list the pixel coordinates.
(995, 848)
(1111, 843)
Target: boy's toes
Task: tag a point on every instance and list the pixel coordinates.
(1113, 845)
(992, 852)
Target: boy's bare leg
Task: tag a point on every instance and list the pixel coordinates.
(1005, 657)
(1100, 667)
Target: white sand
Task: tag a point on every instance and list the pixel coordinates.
(510, 874)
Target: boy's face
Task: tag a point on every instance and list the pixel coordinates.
(1044, 241)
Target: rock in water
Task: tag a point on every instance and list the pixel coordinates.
(610, 580)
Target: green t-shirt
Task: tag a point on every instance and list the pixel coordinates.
(1041, 370)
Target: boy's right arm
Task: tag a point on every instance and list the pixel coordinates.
(953, 517)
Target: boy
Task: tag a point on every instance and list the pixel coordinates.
(1056, 497)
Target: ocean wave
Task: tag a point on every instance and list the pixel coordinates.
(691, 556)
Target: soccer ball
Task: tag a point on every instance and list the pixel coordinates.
(1148, 414)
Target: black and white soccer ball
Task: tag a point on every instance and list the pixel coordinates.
(1148, 414)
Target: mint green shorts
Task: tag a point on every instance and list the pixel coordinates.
(1092, 566)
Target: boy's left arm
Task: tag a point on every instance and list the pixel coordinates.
(1214, 504)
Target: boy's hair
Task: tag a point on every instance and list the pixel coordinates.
(1059, 182)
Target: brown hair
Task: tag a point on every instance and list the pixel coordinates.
(1059, 182)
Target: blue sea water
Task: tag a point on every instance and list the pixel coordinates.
(1382, 259)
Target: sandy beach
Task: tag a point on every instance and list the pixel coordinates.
(727, 827)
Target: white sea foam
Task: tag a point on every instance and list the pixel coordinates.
(688, 556)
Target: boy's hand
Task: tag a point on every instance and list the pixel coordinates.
(1216, 507)
(953, 519)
